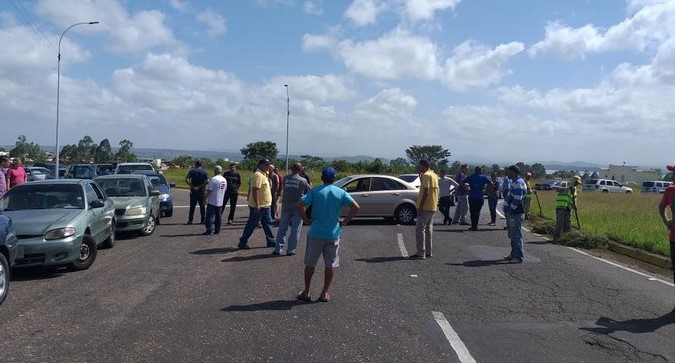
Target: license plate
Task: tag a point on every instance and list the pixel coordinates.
(19, 252)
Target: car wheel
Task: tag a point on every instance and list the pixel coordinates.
(110, 242)
(5, 275)
(405, 214)
(628, 192)
(87, 256)
(605, 191)
(149, 227)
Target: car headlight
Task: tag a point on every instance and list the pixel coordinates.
(164, 197)
(136, 211)
(60, 233)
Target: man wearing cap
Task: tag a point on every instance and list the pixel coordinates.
(294, 187)
(668, 201)
(259, 203)
(427, 202)
(197, 178)
(324, 233)
(565, 202)
(528, 195)
(214, 201)
(513, 210)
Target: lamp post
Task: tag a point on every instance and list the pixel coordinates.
(288, 115)
(58, 91)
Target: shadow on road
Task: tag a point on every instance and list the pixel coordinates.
(608, 326)
(269, 305)
(479, 263)
(538, 243)
(182, 235)
(37, 273)
(381, 259)
(214, 251)
(248, 258)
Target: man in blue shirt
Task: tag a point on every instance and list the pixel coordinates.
(515, 215)
(476, 182)
(197, 178)
(324, 233)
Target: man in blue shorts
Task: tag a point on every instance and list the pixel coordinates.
(324, 233)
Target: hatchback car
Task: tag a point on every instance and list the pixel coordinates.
(59, 222)
(656, 186)
(8, 248)
(164, 187)
(605, 186)
(382, 196)
(136, 202)
(89, 171)
(128, 168)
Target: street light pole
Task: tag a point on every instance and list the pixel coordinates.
(288, 115)
(58, 91)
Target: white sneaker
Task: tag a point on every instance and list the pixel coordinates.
(230, 222)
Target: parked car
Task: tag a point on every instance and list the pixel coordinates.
(412, 179)
(62, 173)
(128, 168)
(59, 222)
(8, 248)
(164, 187)
(559, 184)
(545, 184)
(656, 186)
(605, 186)
(36, 172)
(136, 202)
(382, 196)
(89, 171)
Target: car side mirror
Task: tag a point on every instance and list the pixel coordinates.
(97, 203)
(173, 185)
(154, 193)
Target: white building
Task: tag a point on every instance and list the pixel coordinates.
(629, 174)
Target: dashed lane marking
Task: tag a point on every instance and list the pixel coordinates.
(401, 245)
(450, 334)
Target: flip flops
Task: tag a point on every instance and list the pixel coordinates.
(323, 299)
(303, 297)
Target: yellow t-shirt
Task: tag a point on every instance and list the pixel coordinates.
(259, 180)
(429, 181)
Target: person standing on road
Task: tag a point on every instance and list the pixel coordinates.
(232, 194)
(259, 203)
(476, 182)
(528, 195)
(4, 164)
(668, 201)
(513, 209)
(427, 202)
(565, 202)
(275, 185)
(324, 233)
(462, 195)
(294, 188)
(197, 178)
(492, 191)
(445, 186)
(16, 174)
(306, 176)
(214, 201)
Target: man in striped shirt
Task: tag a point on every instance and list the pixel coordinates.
(513, 210)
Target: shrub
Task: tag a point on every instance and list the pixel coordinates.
(582, 239)
(542, 226)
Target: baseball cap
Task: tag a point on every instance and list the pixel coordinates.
(328, 173)
(218, 169)
(670, 167)
(577, 178)
(264, 162)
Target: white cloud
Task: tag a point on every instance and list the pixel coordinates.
(180, 5)
(317, 89)
(475, 65)
(213, 20)
(389, 102)
(395, 55)
(364, 12)
(314, 42)
(425, 9)
(313, 7)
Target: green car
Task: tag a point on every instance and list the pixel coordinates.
(59, 222)
(136, 202)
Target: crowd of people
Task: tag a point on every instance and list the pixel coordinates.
(11, 174)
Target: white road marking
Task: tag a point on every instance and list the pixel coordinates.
(414, 276)
(401, 245)
(651, 278)
(450, 334)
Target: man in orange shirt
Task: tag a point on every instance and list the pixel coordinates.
(427, 203)
(668, 201)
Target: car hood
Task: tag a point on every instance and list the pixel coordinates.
(163, 189)
(123, 202)
(37, 222)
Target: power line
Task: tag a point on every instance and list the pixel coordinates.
(23, 12)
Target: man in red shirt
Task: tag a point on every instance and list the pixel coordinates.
(668, 201)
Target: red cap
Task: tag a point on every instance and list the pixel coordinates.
(670, 167)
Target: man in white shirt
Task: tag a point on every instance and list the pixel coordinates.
(214, 201)
(445, 186)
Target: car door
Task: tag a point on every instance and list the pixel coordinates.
(616, 187)
(154, 199)
(97, 222)
(359, 189)
(384, 195)
(108, 209)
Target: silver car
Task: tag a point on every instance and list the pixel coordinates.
(136, 202)
(382, 196)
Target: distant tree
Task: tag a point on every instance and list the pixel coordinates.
(435, 154)
(586, 176)
(27, 150)
(376, 166)
(538, 170)
(255, 151)
(496, 168)
(86, 148)
(312, 162)
(342, 166)
(69, 153)
(399, 166)
(124, 154)
(183, 161)
(103, 152)
(668, 177)
(454, 168)
(595, 175)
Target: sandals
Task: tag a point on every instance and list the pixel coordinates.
(323, 298)
(303, 297)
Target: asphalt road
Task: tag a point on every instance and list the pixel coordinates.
(178, 296)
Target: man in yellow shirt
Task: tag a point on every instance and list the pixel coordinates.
(427, 202)
(259, 203)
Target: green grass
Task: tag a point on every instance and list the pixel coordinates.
(631, 219)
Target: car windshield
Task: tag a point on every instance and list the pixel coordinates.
(408, 178)
(157, 180)
(123, 187)
(83, 172)
(43, 196)
(128, 169)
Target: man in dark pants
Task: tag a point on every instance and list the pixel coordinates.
(232, 194)
(668, 202)
(476, 182)
(197, 178)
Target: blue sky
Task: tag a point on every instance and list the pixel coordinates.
(491, 80)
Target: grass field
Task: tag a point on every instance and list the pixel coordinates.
(631, 219)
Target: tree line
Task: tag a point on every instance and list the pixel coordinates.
(85, 151)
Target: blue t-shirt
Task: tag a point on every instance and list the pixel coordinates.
(198, 177)
(327, 201)
(477, 183)
(459, 177)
